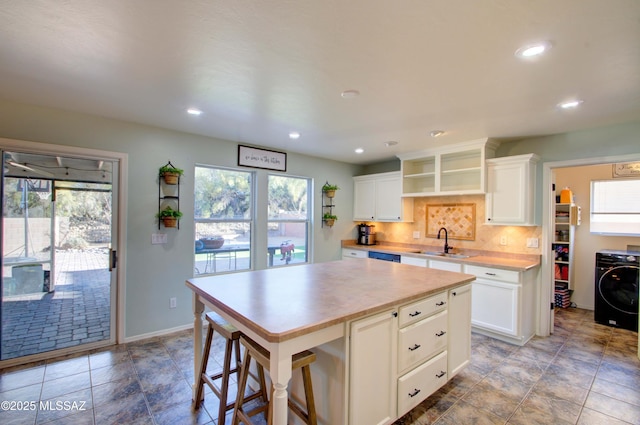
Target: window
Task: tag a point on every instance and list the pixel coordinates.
(615, 207)
(289, 220)
(223, 217)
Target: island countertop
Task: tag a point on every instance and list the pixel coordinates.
(284, 303)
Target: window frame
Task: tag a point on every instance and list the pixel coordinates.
(620, 225)
(251, 220)
(308, 221)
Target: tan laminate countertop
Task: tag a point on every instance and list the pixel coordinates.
(283, 303)
(479, 258)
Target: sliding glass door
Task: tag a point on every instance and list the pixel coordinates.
(57, 284)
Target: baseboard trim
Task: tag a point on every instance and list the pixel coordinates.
(158, 333)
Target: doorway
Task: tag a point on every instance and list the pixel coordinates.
(546, 316)
(58, 282)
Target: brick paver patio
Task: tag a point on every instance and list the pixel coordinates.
(77, 312)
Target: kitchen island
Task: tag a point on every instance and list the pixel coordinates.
(291, 309)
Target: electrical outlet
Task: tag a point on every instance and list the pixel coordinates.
(172, 302)
(532, 242)
(416, 234)
(503, 240)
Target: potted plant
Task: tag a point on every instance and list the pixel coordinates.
(330, 189)
(170, 174)
(169, 216)
(329, 219)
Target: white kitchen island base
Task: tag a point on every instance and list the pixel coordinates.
(323, 307)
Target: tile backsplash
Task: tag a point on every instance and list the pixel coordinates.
(488, 237)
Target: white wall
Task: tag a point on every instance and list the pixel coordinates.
(156, 273)
(587, 244)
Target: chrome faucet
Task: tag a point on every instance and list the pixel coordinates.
(446, 239)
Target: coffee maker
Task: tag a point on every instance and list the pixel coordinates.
(366, 235)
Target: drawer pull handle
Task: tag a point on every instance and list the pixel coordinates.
(441, 303)
(441, 374)
(440, 333)
(490, 274)
(417, 313)
(415, 347)
(414, 393)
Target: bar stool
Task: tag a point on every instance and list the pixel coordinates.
(232, 337)
(301, 361)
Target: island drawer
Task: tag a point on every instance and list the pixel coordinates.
(493, 273)
(421, 382)
(414, 312)
(422, 340)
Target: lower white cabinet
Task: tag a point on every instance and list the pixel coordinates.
(402, 356)
(459, 349)
(353, 253)
(503, 303)
(372, 383)
(445, 265)
(413, 261)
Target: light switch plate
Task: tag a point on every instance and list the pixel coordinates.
(532, 242)
(416, 234)
(158, 238)
(503, 240)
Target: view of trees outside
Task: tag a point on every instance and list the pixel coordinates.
(223, 210)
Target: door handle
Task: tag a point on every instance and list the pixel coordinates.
(113, 259)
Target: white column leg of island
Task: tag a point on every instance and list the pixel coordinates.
(198, 309)
(280, 373)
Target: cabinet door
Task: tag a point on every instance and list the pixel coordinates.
(364, 199)
(511, 190)
(459, 329)
(494, 306)
(388, 198)
(445, 265)
(373, 387)
(413, 261)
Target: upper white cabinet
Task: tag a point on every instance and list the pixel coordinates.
(377, 197)
(453, 170)
(511, 187)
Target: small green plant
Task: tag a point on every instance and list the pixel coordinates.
(328, 216)
(168, 168)
(169, 212)
(328, 187)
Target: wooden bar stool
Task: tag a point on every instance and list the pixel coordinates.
(232, 337)
(301, 361)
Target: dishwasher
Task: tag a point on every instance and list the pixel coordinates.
(384, 256)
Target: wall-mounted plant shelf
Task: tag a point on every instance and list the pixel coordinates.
(169, 196)
(328, 195)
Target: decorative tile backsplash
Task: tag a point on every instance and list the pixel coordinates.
(487, 237)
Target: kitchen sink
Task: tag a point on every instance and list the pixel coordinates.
(442, 254)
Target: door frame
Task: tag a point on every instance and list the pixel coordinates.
(546, 315)
(120, 197)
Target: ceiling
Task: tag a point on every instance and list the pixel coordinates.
(260, 69)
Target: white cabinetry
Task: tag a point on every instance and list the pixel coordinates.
(503, 303)
(377, 197)
(372, 389)
(459, 349)
(413, 261)
(454, 170)
(353, 253)
(510, 198)
(400, 357)
(445, 265)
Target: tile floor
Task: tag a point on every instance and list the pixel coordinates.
(584, 374)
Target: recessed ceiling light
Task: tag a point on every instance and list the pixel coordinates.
(533, 50)
(359, 151)
(436, 133)
(390, 143)
(194, 111)
(294, 135)
(570, 104)
(350, 94)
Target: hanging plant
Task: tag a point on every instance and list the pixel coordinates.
(170, 174)
(329, 219)
(330, 189)
(169, 217)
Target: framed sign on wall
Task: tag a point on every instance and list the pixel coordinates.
(261, 158)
